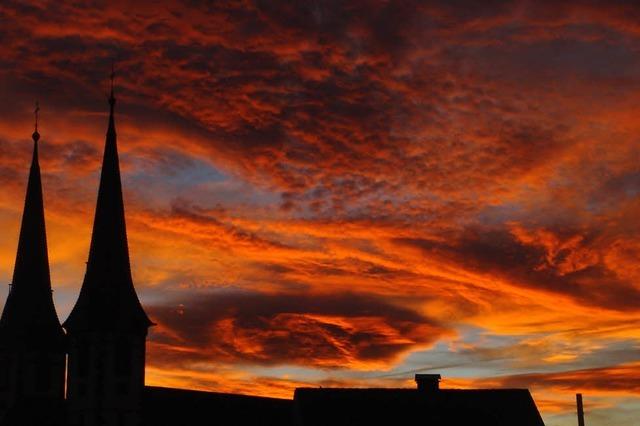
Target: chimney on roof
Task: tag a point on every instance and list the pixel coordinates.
(580, 409)
(428, 382)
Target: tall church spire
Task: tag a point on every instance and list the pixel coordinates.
(108, 300)
(107, 327)
(29, 311)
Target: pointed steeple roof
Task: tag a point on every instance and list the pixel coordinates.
(108, 300)
(29, 314)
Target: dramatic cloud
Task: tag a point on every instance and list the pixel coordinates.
(334, 330)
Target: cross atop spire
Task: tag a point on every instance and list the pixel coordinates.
(36, 135)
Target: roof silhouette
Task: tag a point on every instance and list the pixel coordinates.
(451, 407)
(344, 407)
(166, 406)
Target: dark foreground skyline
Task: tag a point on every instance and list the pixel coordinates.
(333, 194)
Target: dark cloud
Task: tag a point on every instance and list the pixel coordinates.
(330, 330)
(317, 100)
(541, 262)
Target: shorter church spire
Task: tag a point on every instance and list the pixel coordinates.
(29, 311)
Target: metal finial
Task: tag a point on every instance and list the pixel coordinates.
(36, 135)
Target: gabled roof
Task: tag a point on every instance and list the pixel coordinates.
(171, 407)
(29, 316)
(108, 300)
(450, 407)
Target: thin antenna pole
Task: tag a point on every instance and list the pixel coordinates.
(580, 409)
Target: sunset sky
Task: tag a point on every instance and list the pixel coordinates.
(346, 193)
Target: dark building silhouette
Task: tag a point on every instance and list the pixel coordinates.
(107, 327)
(427, 405)
(170, 407)
(32, 342)
(105, 347)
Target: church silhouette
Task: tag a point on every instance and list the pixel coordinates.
(89, 371)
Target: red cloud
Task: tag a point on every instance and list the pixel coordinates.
(337, 331)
